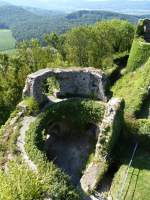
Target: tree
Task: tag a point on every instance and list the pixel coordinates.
(124, 34)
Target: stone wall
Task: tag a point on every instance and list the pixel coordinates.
(108, 134)
(143, 29)
(79, 82)
(146, 24)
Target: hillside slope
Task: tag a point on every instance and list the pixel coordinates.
(27, 25)
(91, 16)
(31, 23)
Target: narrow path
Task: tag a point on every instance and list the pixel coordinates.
(26, 121)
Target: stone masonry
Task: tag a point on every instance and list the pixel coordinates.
(146, 24)
(143, 29)
(74, 82)
(108, 133)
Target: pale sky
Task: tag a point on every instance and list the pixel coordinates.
(67, 4)
(58, 1)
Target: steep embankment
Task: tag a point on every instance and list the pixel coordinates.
(133, 87)
(139, 54)
(132, 182)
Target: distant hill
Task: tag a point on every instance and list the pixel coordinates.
(127, 6)
(44, 12)
(27, 23)
(89, 17)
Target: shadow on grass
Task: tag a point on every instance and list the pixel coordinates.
(145, 109)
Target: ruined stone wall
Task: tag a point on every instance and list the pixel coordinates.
(79, 82)
(146, 24)
(143, 29)
(108, 134)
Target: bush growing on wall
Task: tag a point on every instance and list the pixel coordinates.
(32, 107)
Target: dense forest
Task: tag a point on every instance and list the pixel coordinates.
(90, 45)
(28, 23)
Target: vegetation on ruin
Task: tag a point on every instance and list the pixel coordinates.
(84, 112)
(139, 54)
(31, 106)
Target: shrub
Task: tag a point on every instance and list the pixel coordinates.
(83, 112)
(139, 130)
(52, 86)
(32, 107)
(20, 183)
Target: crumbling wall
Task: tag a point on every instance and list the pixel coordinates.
(143, 29)
(79, 82)
(146, 24)
(108, 134)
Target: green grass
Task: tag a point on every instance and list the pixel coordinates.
(133, 87)
(138, 180)
(20, 183)
(7, 41)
